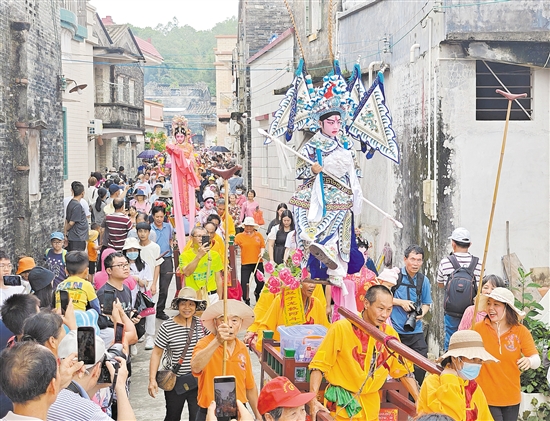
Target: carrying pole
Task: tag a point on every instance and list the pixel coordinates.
(510, 97)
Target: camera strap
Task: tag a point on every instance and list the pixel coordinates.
(411, 284)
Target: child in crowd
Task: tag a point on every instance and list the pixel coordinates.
(81, 291)
(93, 247)
(55, 258)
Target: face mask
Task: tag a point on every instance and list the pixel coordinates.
(239, 191)
(469, 371)
(132, 255)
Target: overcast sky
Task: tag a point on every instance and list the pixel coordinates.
(200, 14)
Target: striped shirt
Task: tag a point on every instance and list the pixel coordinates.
(446, 267)
(172, 337)
(118, 226)
(70, 406)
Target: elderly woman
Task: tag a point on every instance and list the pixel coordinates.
(206, 362)
(252, 246)
(454, 392)
(172, 338)
(506, 338)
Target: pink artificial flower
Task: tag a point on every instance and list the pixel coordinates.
(295, 284)
(274, 290)
(299, 254)
(260, 276)
(305, 274)
(269, 268)
(273, 282)
(285, 275)
(297, 258)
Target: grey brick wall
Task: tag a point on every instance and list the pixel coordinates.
(34, 55)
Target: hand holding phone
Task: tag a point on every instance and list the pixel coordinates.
(64, 300)
(108, 299)
(86, 344)
(119, 333)
(205, 240)
(225, 392)
(12, 280)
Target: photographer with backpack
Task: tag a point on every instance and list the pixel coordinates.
(458, 273)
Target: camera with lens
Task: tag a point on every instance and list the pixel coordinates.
(110, 354)
(410, 324)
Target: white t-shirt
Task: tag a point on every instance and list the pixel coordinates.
(10, 416)
(7, 292)
(146, 187)
(291, 240)
(272, 235)
(149, 254)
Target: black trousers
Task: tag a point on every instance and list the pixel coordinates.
(505, 413)
(417, 342)
(246, 271)
(165, 277)
(175, 403)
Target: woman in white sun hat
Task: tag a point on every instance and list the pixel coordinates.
(455, 392)
(508, 340)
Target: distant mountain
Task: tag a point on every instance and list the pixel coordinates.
(188, 54)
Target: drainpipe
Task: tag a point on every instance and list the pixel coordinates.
(430, 104)
(435, 144)
(371, 69)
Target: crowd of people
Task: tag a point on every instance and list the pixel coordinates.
(111, 266)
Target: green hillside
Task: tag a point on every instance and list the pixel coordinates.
(188, 54)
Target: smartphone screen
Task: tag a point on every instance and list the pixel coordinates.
(64, 300)
(86, 344)
(108, 299)
(205, 240)
(119, 332)
(225, 392)
(12, 280)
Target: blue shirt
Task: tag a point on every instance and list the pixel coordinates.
(164, 235)
(398, 315)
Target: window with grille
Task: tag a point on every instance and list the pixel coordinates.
(493, 106)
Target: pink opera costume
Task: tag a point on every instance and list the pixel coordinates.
(184, 176)
(337, 112)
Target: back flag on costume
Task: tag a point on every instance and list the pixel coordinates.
(372, 123)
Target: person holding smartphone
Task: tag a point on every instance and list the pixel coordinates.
(206, 362)
(202, 266)
(7, 289)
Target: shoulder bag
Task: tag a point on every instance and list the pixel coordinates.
(166, 379)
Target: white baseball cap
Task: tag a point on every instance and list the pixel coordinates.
(461, 234)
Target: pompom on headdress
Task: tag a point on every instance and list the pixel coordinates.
(179, 125)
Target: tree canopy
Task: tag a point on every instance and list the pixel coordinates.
(188, 54)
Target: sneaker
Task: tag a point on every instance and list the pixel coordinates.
(149, 343)
(140, 340)
(324, 255)
(162, 316)
(133, 350)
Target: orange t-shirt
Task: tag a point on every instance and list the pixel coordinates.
(500, 381)
(251, 246)
(92, 252)
(238, 365)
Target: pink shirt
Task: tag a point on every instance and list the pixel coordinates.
(466, 322)
(248, 208)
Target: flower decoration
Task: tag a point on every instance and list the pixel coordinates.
(285, 275)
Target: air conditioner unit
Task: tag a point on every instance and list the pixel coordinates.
(95, 127)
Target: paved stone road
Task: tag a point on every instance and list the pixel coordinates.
(145, 407)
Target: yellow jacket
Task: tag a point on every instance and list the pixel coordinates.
(445, 394)
(274, 318)
(336, 358)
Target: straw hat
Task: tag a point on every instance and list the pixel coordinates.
(250, 221)
(188, 294)
(92, 235)
(165, 193)
(234, 308)
(502, 295)
(467, 343)
(131, 243)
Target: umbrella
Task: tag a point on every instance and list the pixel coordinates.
(148, 154)
(219, 149)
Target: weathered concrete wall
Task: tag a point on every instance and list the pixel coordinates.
(466, 151)
(26, 221)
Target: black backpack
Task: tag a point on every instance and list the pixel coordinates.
(461, 287)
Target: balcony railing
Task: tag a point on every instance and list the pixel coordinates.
(120, 116)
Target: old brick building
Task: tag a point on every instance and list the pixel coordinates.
(31, 136)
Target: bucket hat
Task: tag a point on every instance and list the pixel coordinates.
(250, 221)
(234, 308)
(502, 295)
(40, 278)
(188, 294)
(25, 264)
(468, 344)
(165, 193)
(131, 243)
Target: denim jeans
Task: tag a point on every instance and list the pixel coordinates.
(451, 326)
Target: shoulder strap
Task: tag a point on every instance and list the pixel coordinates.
(473, 265)
(419, 284)
(191, 330)
(398, 283)
(454, 261)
